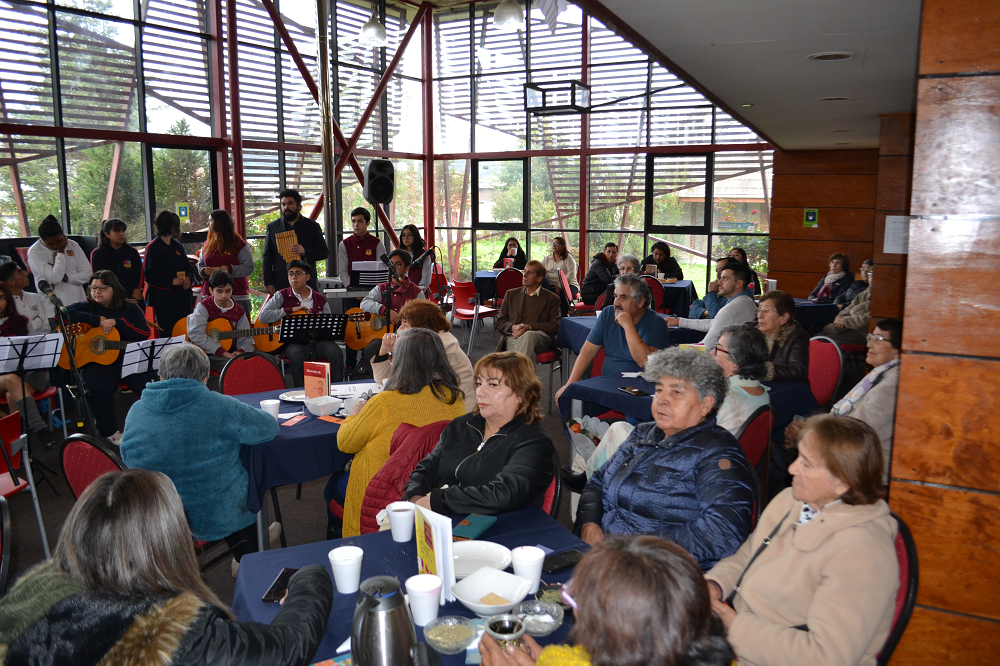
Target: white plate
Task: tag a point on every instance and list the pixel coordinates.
(470, 556)
(293, 396)
(471, 590)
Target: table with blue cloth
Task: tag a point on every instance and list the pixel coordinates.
(573, 332)
(383, 556)
(788, 400)
(605, 392)
(811, 314)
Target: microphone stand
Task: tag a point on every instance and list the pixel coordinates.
(81, 395)
(27, 428)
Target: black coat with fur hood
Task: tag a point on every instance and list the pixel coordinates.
(92, 629)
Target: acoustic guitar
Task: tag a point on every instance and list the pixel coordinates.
(221, 331)
(91, 345)
(366, 327)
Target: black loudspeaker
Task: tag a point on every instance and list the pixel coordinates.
(380, 182)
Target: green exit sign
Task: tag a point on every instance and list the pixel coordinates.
(810, 219)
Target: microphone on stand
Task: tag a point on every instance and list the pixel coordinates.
(419, 260)
(392, 269)
(46, 288)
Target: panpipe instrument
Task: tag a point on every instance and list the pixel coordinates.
(285, 240)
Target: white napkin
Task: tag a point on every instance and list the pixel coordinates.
(345, 646)
(288, 415)
(631, 374)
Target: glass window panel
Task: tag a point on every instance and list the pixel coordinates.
(619, 86)
(457, 257)
(356, 89)
(258, 94)
(620, 128)
(25, 84)
(352, 198)
(559, 49)
(756, 248)
(304, 172)
(679, 190)
(541, 245)
(253, 23)
(729, 130)
(680, 126)
(95, 169)
(741, 192)
(453, 104)
(451, 43)
(184, 176)
(175, 67)
(501, 192)
(299, 109)
(452, 196)
(350, 18)
(558, 131)
(397, 22)
(406, 127)
(672, 91)
(187, 14)
(555, 193)
(628, 243)
(500, 117)
(260, 180)
(691, 253)
(32, 161)
(617, 192)
(607, 47)
(407, 206)
(97, 72)
(496, 51)
(299, 17)
(119, 9)
(489, 245)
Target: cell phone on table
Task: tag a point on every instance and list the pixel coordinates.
(631, 390)
(554, 563)
(279, 586)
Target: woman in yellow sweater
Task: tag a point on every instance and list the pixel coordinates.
(422, 388)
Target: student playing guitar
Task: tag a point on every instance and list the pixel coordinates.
(388, 298)
(220, 305)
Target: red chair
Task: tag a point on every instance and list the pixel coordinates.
(600, 302)
(906, 596)
(576, 305)
(826, 368)
(509, 278)
(596, 366)
(465, 296)
(84, 458)
(48, 394)
(553, 494)
(755, 438)
(4, 544)
(13, 443)
(657, 289)
(252, 372)
(550, 358)
(439, 289)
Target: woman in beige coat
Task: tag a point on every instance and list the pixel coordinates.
(823, 591)
(425, 314)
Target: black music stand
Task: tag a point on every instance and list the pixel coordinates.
(312, 328)
(146, 353)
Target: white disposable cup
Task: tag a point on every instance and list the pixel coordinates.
(271, 407)
(349, 405)
(527, 561)
(346, 564)
(424, 591)
(401, 520)
(659, 276)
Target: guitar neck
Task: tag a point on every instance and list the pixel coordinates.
(247, 333)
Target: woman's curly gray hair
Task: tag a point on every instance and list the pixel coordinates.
(693, 366)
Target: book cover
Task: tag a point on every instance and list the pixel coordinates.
(435, 554)
(317, 378)
(472, 527)
(426, 561)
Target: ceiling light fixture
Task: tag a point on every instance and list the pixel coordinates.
(834, 99)
(747, 104)
(839, 131)
(508, 16)
(831, 56)
(373, 34)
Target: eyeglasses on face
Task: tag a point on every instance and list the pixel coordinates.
(99, 287)
(766, 311)
(296, 273)
(717, 348)
(877, 337)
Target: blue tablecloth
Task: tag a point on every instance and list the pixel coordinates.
(677, 296)
(302, 452)
(573, 332)
(528, 527)
(789, 399)
(811, 314)
(603, 392)
(486, 284)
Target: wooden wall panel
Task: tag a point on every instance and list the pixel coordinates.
(888, 291)
(835, 224)
(953, 305)
(893, 190)
(878, 242)
(840, 191)
(895, 134)
(832, 162)
(960, 36)
(933, 638)
(946, 422)
(799, 285)
(804, 256)
(956, 533)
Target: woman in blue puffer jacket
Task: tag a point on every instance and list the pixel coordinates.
(681, 477)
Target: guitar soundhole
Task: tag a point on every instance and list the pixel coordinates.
(99, 345)
(377, 324)
(214, 334)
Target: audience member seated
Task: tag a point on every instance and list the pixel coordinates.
(628, 332)
(512, 250)
(681, 476)
(836, 281)
(529, 315)
(123, 587)
(300, 297)
(496, 459)
(741, 352)
(824, 591)
(740, 255)
(561, 258)
(638, 600)
(400, 291)
(787, 340)
(851, 326)
(660, 261)
(194, 435)
(602, 272)
(424, 314)
(12, 323)
(421, 389)
(709, 306)
(857, 287)
(739, 309)
(225, 250)
(627, 264)
(873, 399)
(113, 253)
(31, 305)
(220, 304)
(168, 274)
(108, 307)
(60, 261)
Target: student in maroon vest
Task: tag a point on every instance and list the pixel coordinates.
(300, 297)
(224, 250)
(359, 246)
(219, 305)
(400, 292)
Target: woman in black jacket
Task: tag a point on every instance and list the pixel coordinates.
(839, 278)
(660, 261)
(123, 587)
(512, 250)
(113, 253)
(497, 458)
(787, 341)
(107, 307)
(166, 270)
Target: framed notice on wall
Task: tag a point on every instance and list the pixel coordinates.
(810, 218)
(897, 234)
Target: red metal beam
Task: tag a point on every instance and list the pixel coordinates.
(584, 237)
(116, 164)
(428, 112)
(380, 89)
(112, 135)
(239, 201)
(217, 64)
(624, 150)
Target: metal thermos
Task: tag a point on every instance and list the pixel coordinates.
(382, 633)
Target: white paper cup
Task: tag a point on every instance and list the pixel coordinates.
(271, 407)
(659, 276)
(424, 591)
(346, 564)
(349, 405)
(401, 520)
(527, 561)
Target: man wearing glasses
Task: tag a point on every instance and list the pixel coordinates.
(298, 296)
(388, 298)
(739, 309)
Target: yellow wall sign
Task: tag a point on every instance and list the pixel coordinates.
(184, 212)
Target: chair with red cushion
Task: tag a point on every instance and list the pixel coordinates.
(509, 278)
(576, 305)
(553, 494)
(13, 443)
(551, 358)
(48, 394)
(84, 458)
(755, 437)
(657, 289)
(596, 366)
(4, 544)
(440, 290)
(906, 596)
(468, 308)
(251, 372)
(600, 302)
(826, 368)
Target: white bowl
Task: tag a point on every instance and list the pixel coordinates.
(471, 556)
(324, 405)
(486, 580)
